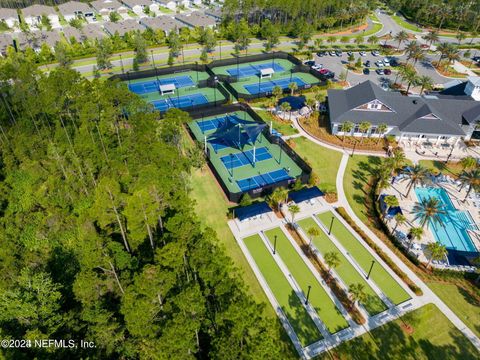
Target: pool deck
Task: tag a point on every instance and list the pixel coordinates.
(457, 196)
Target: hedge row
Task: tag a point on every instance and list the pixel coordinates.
(341, 211)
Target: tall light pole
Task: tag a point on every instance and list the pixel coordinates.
(308, 294)
(121, 64)
(371, 267)
(331, 224)
(274, 244)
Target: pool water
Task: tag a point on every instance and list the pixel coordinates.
(453, 232)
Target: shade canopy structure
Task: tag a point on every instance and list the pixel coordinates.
(238, 132)
(266, 73)
(167, 89)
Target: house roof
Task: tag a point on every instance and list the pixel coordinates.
(36, 39)
(5, 41)
(8, 13)
(105, 4)
(215, 12)
(426, 114)
(196, 19)
(165, 1)
(122, 27)
(475, 80)
(132, 3)
(69, 8)
(93, 31)
(37, 10)
(165, 23)
(69, 32)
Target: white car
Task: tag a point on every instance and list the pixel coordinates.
(375, 53)
(362, 53)
(379, 63)
(317, 66)
(386, 62)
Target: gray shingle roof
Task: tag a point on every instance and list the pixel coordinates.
(8, 13)
(132, 3)
(102, 4)
(37, 38)
(70, 32)
(196, 19)
(93, 31)
(165, 23)
(71, 7)
(36, 10)
(409, 114)
(122, 27)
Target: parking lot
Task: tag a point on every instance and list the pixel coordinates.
(337, 64)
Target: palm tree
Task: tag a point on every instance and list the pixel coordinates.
(372, 40)
(437, 252)
(460, 37)
(411, 47)
(357, 293)
(400, 219)
(428, 210)
(347, 128)
(292, 86)
(358, 40)
(471, 179)
(390, 201)
(332, 260)
(418, 176)
(425, 82)
(452, 55)
(416, 233)
(363, 127)
(331, 39)
(443, 48)
(312, 233)
(431, 37)
(277, 197)
(285, 106)
(294, 209)
(277, 92)
(400, 37)
(410, 76)
(468, 162)
(381, 129)
(398, 159)
(318, 42)
(416, 54)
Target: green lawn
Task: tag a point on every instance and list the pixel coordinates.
(405, 24)
(463, 304)
(434, 338)
(345, 270)
(283, 127)
(212, 208)
(325, 307)
(357, 174)
(325, 162)
(364, 259)
(291, 305)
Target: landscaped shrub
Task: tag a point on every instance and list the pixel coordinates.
(341, 211)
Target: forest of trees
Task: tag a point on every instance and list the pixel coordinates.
(98, 237)
(441, 14)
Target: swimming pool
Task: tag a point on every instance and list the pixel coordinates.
(453, 232)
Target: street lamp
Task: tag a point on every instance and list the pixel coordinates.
(371, 267)
(308, 294)
(220, 45)
(231, 164)
(331, 224)
(450, 154)
(353, 151)
(121, 63)
(274, 244)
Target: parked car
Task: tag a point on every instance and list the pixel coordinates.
(387, 72)
(317, 67)
(380, 72)
(379, 63)
(367, 63)
(375, 53)
(309, 63)
(394, 62)
(330, 75)
(366, 71)
(425, 46)
(362, 53)
(349, 53)
(324, 71)
(476, 58)
(321, 53)
(331, 53)
(339, 53)
(386, 62)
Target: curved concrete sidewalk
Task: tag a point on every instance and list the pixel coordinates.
(428, 295)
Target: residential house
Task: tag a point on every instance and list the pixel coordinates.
(9, 16)
(32, 15)
(93, 31)
(196, 19)
(122, 27)
(70, 32)
(5, 41)
(169, 4)
(216, 13)
(75, 9)
(436, 118)
(105, 7)
(139, 6)
(165, 23)
(35, 40)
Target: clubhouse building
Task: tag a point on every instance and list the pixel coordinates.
(444, 117)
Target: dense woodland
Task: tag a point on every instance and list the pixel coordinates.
(98, 236)
(441, 14)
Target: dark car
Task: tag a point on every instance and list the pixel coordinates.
(309, 62)
(330, 75)
(321, 53)
(380, 71)
(367, 63)
(338, 53)
(349, 53)
(394, 62)
(387, 72)
(366, 71)
(476, 58)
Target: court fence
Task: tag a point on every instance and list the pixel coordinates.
(304, 177)
(228, 80)
(211, 82)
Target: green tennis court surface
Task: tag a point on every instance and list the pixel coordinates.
(319, 299)
(345, 270)
(364, 259)
(291, 305)
(234, 163)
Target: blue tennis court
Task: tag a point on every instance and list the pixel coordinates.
(268, 85)
(212, 124)
(252, 69)
(245, 158)
(149, 86)
(262, 180)
(179, 102)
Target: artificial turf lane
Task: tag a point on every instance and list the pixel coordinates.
(291, 305)
(364, 259)
(345, 269)
(319, 299)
